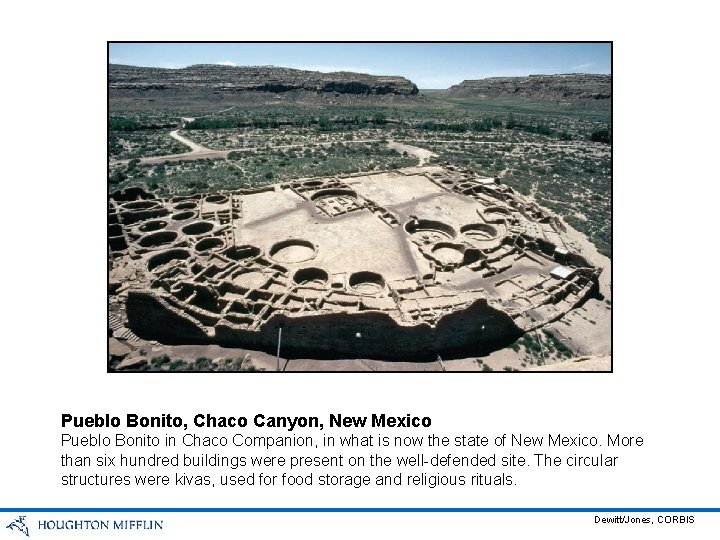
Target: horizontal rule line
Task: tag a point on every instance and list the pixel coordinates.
(360, 510)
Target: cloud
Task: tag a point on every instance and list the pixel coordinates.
(583, 67)
(226, 63)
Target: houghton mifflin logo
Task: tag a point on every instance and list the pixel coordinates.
(20, 526)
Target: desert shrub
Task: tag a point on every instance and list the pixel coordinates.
(158, 361)
(601, 135)
(123, 124)
(203, 364)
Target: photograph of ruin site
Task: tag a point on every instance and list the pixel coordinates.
(445, 207)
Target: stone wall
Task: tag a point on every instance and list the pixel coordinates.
(331, 335)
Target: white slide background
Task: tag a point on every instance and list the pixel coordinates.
(53, 277)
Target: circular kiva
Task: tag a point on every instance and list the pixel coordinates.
(429, 231)
(212, 242)
(197, 228)
(448, 253)
(310, 276)
(216, 199)
(185, 205)
(333, 192)
(154, 225)
(293, 251)
(250, 280)
(164, 257)
(239, 253)
(159, 238)
(496, 213)
(141, 205)
(479, 231)
(467, 185)
(366, 283)
(183, 216)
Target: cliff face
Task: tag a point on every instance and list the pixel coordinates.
(571, 87)
(216, 79)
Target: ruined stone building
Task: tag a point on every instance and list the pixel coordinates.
(401, 265)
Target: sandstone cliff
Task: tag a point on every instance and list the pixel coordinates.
(216, 79)
(570, 87)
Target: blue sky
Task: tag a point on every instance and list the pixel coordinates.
(429, 65)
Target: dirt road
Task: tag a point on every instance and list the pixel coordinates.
(421, 153)
(194, 147)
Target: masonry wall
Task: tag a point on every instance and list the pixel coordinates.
(332, 335)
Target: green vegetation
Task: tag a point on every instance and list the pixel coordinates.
(271, 120)
(123, 124)
(601, 135)
(541, 347)
(481, 365)
(158, 361)
(142, 143)
(557, 153)
(555, 346)
(165, 363)
(220, 123)
(259, 167)
(601, 112)
(202, 364)
(177, 365)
